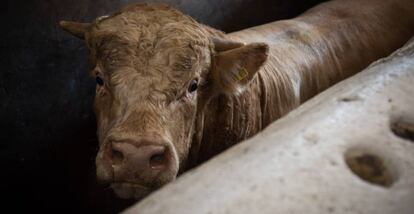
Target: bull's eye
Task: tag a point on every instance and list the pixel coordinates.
(99, 80)
(193, 85)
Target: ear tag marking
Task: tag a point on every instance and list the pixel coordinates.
(241, 74)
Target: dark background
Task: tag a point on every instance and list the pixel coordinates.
(47, 126)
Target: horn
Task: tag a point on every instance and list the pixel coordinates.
(77, 29)
(221, 44)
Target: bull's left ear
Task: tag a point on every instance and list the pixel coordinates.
(236, 65)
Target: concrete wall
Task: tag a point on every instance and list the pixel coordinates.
(348, 150)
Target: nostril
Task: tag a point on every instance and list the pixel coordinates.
(117, 156)
(158, 161)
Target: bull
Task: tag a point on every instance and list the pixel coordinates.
(172, 92)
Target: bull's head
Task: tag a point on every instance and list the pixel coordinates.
(156, 69)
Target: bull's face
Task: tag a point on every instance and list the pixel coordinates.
(155, 70)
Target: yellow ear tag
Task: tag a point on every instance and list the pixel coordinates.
(242, 74)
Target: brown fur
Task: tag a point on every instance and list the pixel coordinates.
(148, 55)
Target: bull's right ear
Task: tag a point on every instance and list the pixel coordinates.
(77, 29)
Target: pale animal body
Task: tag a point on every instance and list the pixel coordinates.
(172, 92)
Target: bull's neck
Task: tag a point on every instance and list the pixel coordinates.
(307, 55)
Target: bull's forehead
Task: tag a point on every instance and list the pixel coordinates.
(149, 26)
(147, 54)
